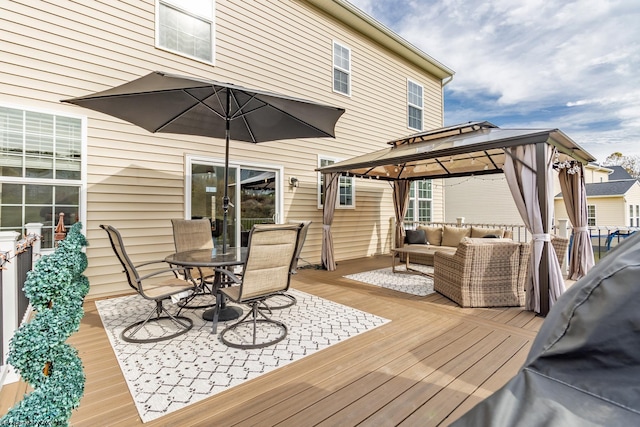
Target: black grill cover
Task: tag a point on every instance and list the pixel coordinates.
(584, 365)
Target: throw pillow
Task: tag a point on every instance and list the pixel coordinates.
(434, 234)
(416, 237)
(451, 236)
(482, 232)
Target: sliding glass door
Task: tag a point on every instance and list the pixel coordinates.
(255, 201)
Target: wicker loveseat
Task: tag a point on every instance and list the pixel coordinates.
(483, 272)
(432, 239)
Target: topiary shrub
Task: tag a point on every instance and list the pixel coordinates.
(56, 289)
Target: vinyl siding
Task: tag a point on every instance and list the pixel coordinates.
(480, 200)
(135, 181)
(611, 211)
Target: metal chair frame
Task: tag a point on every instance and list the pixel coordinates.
(257, 302)
(173, 286)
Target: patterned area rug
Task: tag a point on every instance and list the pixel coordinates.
(414, 284)
(169, 375)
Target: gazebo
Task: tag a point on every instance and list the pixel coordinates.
(527, 157)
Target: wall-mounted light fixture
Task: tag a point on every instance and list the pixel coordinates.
(293, 181)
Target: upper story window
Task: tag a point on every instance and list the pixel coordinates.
(420, 201)
(186, 27)
(346, 192)
(591, 215)
(341, 69)
(40, 170)
(414, 105)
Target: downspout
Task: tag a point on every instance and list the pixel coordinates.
(443, 83)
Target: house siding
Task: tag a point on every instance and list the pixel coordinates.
(135, 180)
(480, 200)
(611, 211)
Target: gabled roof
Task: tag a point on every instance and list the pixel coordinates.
(618, 173)
(607, 189)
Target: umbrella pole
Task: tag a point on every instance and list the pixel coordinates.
(225, 199)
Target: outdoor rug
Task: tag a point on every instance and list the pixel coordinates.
(169, 375)
(414, 284)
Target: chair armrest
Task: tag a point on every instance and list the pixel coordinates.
(157, 272)
(229, 274)
(158, 261)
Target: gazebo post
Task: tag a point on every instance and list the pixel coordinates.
(541, 168)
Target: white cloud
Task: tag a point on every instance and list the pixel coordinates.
(579, 58)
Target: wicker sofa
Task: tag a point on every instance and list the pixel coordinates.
(483, 272)
(444, 239)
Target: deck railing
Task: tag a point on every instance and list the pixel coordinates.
(17, 258)
(603, 239)
(248, 223)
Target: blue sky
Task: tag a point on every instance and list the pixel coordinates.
(571, 65)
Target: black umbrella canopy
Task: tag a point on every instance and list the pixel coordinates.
(169, 103)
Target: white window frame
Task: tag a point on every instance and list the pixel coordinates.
(81, 183)
(415, 201)
(182, 6)
(414, 105)
(344, 182)
(591, 219)
(633, 217)
(335, 67)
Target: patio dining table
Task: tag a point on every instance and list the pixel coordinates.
(213, 258)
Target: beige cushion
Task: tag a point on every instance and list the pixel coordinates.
(434, 234)
(451, 236)
(481, 232)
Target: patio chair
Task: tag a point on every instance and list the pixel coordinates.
(266, 272)
(189, 235)
(290, 300)
(157, 286)
(483, 273)
(301, 239)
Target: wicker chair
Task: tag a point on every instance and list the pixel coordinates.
(483, 273)
(561, 245)
(266, 272)
(157, 286)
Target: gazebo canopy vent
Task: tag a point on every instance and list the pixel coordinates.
(474, 148)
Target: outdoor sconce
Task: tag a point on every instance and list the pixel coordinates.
(293, 181)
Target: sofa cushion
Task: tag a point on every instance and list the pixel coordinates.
(451, 236)
(482, 232)
(416, 237)
(434, 234)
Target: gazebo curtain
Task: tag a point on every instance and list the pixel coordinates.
(521, 174)
(331, 184)
(400, 204)
(574, 194)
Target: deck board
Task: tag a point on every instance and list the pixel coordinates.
(429, 365)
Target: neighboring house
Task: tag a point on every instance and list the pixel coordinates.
(97, 169)
(613, 198)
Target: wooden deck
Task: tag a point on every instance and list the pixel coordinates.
(428, 366)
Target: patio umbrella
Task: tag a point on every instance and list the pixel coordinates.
(169, 103)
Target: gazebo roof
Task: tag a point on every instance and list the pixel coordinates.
(474, 148)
